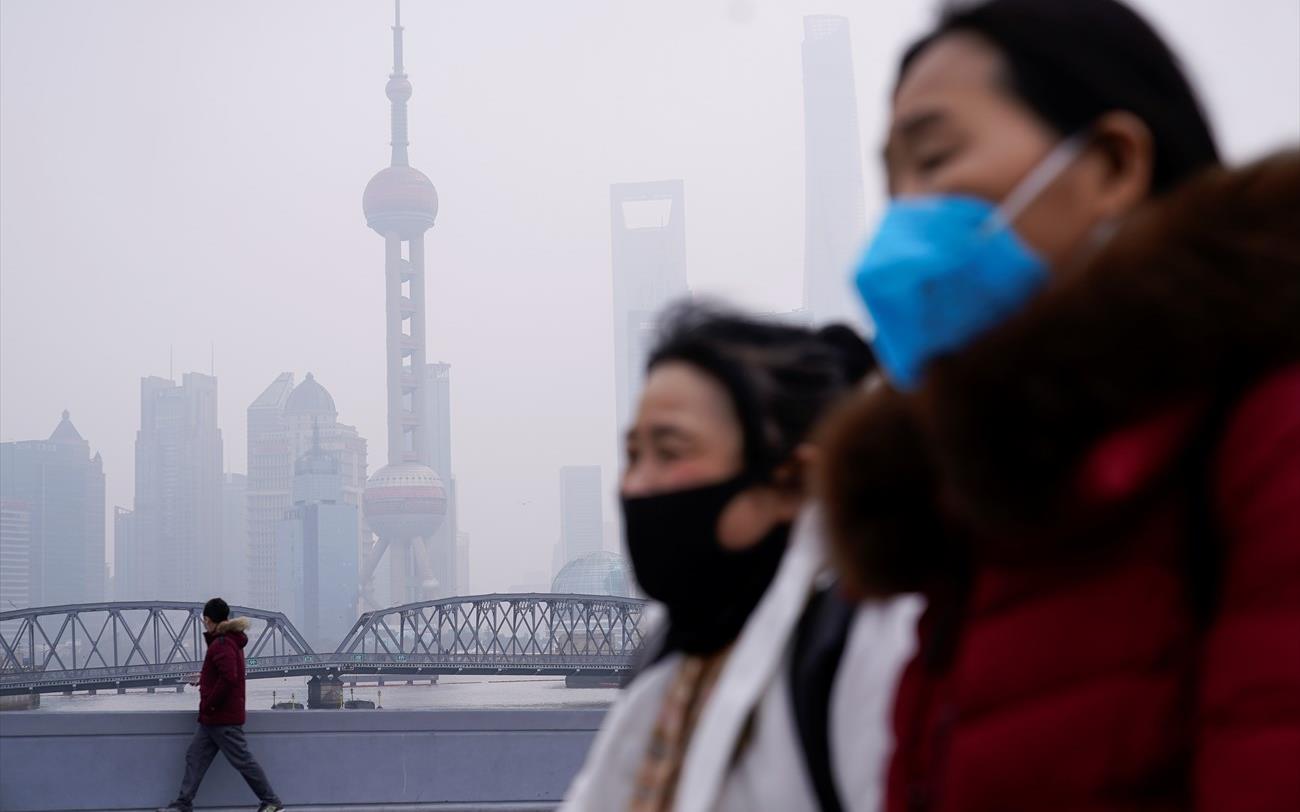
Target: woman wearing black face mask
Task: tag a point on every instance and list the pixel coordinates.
(711, 493)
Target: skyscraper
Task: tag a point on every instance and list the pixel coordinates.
(406, 500)
(234, 580)
(15, 554)
(317, 559)
(270, 458)
(63, 488)
(834, 199)
(462, 563)
(282, 423)
(178, 481)
(444, 553)
(437, 440)
(581, 526)
(648, 246)
(126, 569)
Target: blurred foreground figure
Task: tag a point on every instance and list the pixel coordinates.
(221, 712)
(715, 478)
(1088, 458)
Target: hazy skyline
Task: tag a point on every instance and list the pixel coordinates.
(189, 176)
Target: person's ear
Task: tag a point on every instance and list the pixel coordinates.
(1125, 145)
(790, 481)
(808, 456)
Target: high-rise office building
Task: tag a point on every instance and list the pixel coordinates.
(15, 554)
(270, 460)
(462, 563)
(834, 198)
(648, 247)
(282, 422)
(234, 581)
(317, 560)
(176, 529)
(444, 552)
(581, 526)
(63, 487)
(437, 402)
(126, 582)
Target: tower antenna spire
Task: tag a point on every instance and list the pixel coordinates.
(398, 91)
(398, 68)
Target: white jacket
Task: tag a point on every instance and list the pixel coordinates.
(770, 773)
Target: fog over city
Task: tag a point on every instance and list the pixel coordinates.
(181, 186)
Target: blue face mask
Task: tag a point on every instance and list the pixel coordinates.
(942, 270)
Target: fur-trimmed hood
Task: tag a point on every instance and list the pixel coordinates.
(1196, 296)
(235, 627)
(234, 624)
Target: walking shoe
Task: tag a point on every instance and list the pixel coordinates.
(271, 808)
(173, 808)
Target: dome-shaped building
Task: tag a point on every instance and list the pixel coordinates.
(311, 400)
(598, 573)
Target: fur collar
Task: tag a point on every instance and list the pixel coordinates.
(234, 624)
(1194, 297)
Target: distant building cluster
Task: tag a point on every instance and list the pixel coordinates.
(308, 529)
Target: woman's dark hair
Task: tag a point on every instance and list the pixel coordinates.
(216, 610)
(1071, 61)
(781, 377)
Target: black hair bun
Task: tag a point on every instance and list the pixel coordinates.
(856, 358)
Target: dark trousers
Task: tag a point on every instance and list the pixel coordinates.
(229, 739)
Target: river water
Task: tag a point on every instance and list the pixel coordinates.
(451, 692)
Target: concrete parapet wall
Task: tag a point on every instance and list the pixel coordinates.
(401, 760)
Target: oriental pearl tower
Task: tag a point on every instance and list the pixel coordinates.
(405, 501)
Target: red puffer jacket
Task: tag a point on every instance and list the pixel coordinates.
(221, 683)
(1084, 686)
(1101, 499)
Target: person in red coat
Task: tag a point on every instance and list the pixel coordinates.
(221, 712)
(1087, 453)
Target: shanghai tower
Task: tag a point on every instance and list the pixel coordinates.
(835, 219)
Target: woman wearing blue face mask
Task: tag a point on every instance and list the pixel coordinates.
(713, 497)
(1088, 458)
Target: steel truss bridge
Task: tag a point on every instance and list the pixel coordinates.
(103, 646)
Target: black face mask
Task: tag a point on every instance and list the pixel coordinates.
(709, 591)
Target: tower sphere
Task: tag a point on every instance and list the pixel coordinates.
(398, 89)
(400, 199)
(405, 501)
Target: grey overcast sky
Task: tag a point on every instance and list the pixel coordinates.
(189, 175)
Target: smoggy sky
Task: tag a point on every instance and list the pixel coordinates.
(188, 175)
